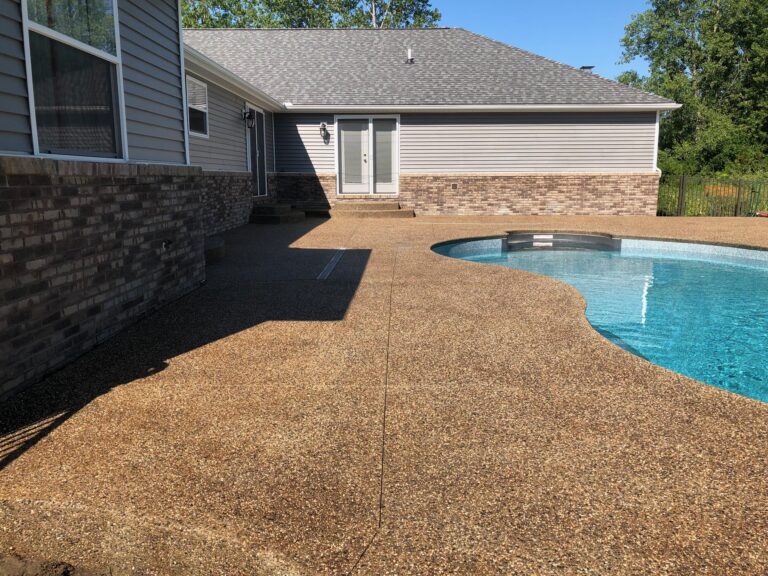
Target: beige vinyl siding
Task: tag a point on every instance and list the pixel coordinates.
(225, 148)
(152, 79)
(522, 142)
(15, 129)
(299, 146)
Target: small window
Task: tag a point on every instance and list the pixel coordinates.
(197, 104)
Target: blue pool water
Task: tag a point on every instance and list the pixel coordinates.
(703, 312)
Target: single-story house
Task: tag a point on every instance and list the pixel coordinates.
(442, 120)
(122, 148)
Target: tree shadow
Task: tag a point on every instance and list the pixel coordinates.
(261, 278)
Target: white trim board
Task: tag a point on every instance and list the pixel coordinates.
(183, 85)
(361, 109)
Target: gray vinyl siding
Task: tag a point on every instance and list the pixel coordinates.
(299, 146)
(521, 142)
(269, 135)
(15, 130)
(225, 148)
(548, 142)
(152, 80)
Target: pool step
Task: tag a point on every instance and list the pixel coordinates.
(560, 241)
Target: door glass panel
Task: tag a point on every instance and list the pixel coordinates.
(354, 155)
(384, 155)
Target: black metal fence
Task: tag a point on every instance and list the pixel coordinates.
(701, 196)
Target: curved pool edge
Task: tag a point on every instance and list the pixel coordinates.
(718, 253)
(714, 251)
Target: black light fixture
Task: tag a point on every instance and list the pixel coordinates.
(324, 131)
(250, 118)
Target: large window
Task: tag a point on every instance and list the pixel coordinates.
(197, 104)
(75, 72)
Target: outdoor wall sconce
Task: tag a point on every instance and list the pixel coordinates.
(250, 118)
(324, 132)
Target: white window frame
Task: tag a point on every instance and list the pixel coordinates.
(371, 175)
(206, 134)
(249, 106)
(117, 60)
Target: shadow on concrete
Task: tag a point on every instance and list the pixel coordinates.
(305, 191)
(261, 278)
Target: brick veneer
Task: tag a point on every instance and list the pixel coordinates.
(524, 194)
(86, 248)
(303, 188)
(227, 200)
(530, 194)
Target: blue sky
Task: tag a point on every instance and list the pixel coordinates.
(575, 32)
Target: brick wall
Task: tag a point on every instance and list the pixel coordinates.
(303, 189)
(86, 248)
(530, 194)
(227, 200)
(525, 194)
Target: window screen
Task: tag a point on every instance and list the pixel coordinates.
(75, 105)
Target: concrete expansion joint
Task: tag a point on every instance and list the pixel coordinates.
(383, 419)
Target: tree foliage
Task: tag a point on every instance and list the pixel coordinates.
(309, 14)
(711, 56)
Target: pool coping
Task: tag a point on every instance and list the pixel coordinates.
(605, 234)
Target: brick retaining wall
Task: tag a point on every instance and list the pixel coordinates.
(478, 194)
(85, 249)
(530, 194)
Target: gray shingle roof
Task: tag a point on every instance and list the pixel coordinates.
(367, 67)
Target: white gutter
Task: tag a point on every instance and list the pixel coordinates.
(339, 109)
(199, 64)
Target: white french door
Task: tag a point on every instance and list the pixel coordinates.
(368, 155)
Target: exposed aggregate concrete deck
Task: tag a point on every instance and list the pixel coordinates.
(410, 414)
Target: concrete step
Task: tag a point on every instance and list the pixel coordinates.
(271, 209)
(365, 206)
(214, 249)
(314, 209)
(289, 217)
(372, 213)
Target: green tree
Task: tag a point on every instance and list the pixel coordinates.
(391, 14)
(309, 14)
(712, 57)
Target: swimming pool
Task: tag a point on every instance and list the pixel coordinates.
(697, 309)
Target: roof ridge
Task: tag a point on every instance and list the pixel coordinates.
(343, 29)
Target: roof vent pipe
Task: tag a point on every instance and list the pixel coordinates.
(586, 68)
(409, 59)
